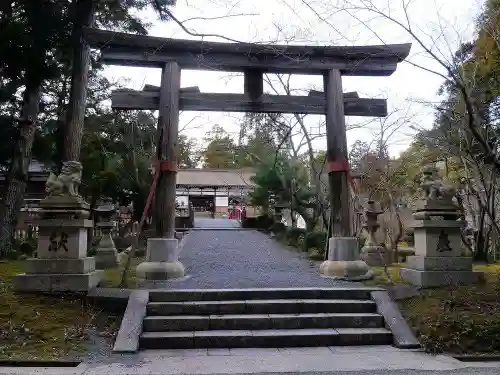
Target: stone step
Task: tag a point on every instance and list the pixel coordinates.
(261, 322)
(284, 306)
(255, 294)
(265, 338)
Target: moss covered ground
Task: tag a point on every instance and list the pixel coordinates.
(35, 327)
(459, 320)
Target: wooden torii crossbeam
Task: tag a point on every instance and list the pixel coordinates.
(191, 99)
(148, 51)
(172, 55)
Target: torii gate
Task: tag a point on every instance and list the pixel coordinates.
(172, 55)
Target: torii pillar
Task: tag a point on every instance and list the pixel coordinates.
(162, 254)
(343, 248)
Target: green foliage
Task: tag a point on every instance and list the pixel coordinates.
(263, 222)
(187, 157)
(278, 182)
(316, 240)
(220, 151)
(278, 228)
(296, 237)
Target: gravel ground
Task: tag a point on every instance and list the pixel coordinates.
(244, 259)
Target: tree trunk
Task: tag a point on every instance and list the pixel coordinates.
(84, 17)
(481, 241)
(18, 172)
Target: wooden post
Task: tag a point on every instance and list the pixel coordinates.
(337, 166)
(168, 128)
(254, 87)
(253, 83)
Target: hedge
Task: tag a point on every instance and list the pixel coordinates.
(262, 222)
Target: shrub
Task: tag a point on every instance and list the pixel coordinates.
(315, 240)
(278, 228)
(249, 222)
(263, 222)
(296, 237)
(316, 254)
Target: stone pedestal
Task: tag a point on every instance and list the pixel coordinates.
(162, 261)
(106, 255)
(62, 264)
(343, 261)
(438, 259)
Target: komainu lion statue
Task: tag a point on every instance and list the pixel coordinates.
(433, 187)
(67, 182)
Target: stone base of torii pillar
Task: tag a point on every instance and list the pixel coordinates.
(343, 261)
(162, 261)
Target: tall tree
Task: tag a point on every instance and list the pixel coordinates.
(36, 48)
(220, 150)
(188, 156)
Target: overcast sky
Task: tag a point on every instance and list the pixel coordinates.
(442, 24)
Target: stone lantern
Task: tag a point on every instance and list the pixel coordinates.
(106, 255)
(372, 253)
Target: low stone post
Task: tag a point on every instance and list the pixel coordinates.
(372, 253)
(106, 255)
(438, 259)
(62, 264)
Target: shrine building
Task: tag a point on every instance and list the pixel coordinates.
(201, 187)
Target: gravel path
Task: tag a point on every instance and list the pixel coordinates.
(245, 259)
(216, 223)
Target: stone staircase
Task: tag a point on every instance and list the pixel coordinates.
(251, 318)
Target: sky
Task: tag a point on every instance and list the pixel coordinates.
(440, 25)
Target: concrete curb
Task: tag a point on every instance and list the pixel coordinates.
(110, 299)
(127, 340)
(403, 336)
(477, 358)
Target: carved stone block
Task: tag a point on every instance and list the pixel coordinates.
(438, 238)
(63, 238)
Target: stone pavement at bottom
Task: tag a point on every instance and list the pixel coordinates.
(245, 259)
(364, 360)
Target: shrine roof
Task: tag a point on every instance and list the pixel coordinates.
(200, 177)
